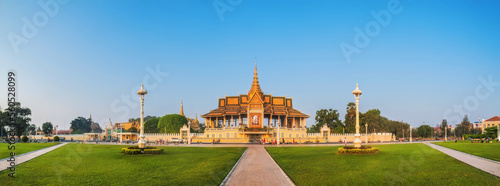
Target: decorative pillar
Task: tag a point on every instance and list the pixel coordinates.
(142, 93)
(357, 93)
(239, 120)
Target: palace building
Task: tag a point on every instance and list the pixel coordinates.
(263, 110)
(255, 110)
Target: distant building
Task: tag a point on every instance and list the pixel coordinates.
(62, 132)
(492, 122)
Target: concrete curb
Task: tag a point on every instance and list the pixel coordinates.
(226, 180)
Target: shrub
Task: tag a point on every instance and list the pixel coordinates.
(357, 151)
(24, 138)
(153, 151)
(56, 138)
(133, 151)
(137, 150)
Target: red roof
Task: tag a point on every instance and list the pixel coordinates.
(496, 118)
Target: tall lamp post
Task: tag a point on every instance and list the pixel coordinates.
(366, 131)
(142, 93)
(410, 134)
(357, 93)
(189, 132)
(56, 129)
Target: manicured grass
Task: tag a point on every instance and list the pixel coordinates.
(89, 164)
(401, 164)
(485, 150)
(22, 148)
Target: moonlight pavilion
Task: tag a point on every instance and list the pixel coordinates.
(255, 111)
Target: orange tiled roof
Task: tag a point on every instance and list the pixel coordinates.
(496, 118)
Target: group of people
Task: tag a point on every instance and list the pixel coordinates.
(215, 141)
(488, 140)
(275, 141)
(160, 142)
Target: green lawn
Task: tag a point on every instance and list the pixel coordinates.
(401, 164)
(88, 164)
(485, 150)
(22, 148)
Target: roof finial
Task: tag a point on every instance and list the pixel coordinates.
(255, 85)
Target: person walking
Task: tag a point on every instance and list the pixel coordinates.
(345, 141)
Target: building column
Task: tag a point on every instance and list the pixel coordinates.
(293, 122)
(224, 125)
(232, 121)
(239, 120)
(279, 121)
(286, 121)
(271, 119)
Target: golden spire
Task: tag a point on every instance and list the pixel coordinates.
(255, 85)
(182, 109)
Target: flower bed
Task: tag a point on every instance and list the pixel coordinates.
(360, 150)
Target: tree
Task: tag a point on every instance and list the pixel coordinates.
(47, 128)
(80, 125)
(466, 124)
(350, 118)
(146, 118)
(132, 129)
(24, 138)
(151, 126)
(444, 126)
(425, 131)
(56, 138)
(95, 128)
(171, 123)
(32, 129)
(491, 132)
(21, 115)
(373, 119)
(329, 117)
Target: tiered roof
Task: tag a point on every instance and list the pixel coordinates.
(236, 105)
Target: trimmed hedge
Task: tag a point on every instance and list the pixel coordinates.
(350, 150)
(56, 138)
(132, 151)
(25, 139)
(153, 151)
(137, 150)
(362, 147)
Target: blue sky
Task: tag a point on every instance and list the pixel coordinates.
(89, 57)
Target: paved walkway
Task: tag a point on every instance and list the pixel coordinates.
(257, 168)
(4, 164)
(486, 165)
